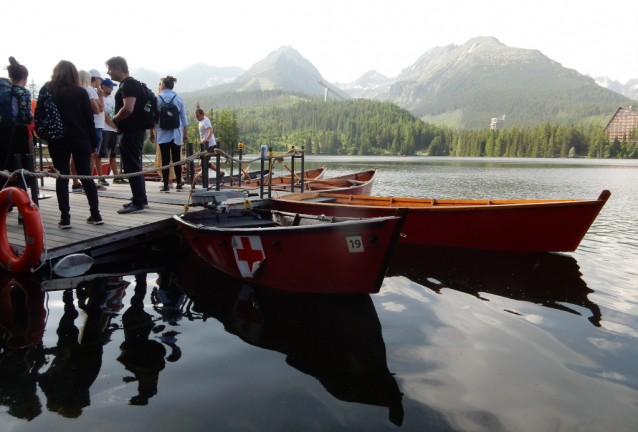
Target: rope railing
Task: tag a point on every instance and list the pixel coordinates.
(42, 174)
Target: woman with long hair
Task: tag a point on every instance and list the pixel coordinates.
(80, 139)
(14, 140)
(169, 134)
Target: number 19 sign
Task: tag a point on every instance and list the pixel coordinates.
(354, 242)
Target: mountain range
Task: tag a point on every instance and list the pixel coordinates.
(195, 77)
(458, 85)
(630, 89)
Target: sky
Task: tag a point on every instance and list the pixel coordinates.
(343, 39)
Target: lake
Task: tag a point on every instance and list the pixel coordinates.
(455, 340)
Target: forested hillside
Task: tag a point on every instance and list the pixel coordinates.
(283, 119)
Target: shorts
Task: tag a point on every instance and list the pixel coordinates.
(109, 144)
(98, 135)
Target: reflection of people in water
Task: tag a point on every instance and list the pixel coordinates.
(76, 365)
(78, 355)
(142, 356)
(168, 299)
(22, 318)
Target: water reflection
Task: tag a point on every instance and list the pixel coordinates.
(335, 339)
(22, 322)
(542, 278)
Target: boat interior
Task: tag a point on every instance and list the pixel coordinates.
(257, 218)
(360, 200)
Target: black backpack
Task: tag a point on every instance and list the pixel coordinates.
(168, 114)
(48, 122)
(150, 113)
(6, 112)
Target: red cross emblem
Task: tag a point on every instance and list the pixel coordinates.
(249, 254)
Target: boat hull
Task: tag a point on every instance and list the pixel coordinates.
(343, 184)
(313, 259)
(556, 226)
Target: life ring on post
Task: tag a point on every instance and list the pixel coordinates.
(32, 225)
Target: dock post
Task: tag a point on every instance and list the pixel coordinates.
(205, 167)
(217, 177)
(39, 142)
(241, 151)
(264, 154)
(33, 181)
(191, 165)
(269, 172)
(303, 167)
(292, 174)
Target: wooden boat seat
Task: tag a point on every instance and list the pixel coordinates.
(321, 199)
(246, 223)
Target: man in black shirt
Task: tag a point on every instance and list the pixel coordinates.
(129, 107)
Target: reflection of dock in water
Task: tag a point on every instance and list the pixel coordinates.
(542, 278)
(336, 339)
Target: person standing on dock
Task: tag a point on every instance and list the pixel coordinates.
(130, 103)
(206, 133)
(169, 129)
(80, 140)
(109, 134)
(15, 117)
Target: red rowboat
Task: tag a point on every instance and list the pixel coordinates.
(295, 252)
(352, 184)
(505, 225)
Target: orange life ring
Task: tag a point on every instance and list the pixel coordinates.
(33, 226)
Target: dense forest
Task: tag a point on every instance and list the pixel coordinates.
(363, 127)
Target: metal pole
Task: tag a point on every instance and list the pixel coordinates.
(39, 142)
(217, 177)
(292, 174)
(261, 183)
(33, 181)
(205, 167)
(269, 172)
(241, 151)
(191, 165)
(303, 171)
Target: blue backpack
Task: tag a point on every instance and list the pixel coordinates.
(48, 122)
(6, 112)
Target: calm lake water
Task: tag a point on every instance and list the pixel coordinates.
(455, 340)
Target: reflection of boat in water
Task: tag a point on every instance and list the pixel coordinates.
(335, 339)
(541, 278)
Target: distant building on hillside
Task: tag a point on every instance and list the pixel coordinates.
(623, 124)
(497, 123)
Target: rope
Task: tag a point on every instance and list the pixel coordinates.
(57, 175)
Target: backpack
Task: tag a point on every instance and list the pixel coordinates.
(48, 122)
(168, 114)
(6, 111)
(150, 114)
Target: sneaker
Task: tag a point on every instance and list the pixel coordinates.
(128, 204)
(64, 223)
(95, 220)
(77, 188)
(104, 182)
(120, 181)
(179, 188)
(130, 209)
(101, 188)
(165, 189)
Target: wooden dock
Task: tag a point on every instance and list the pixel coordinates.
(117, 232)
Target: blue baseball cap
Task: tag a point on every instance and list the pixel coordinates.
(108, 82)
